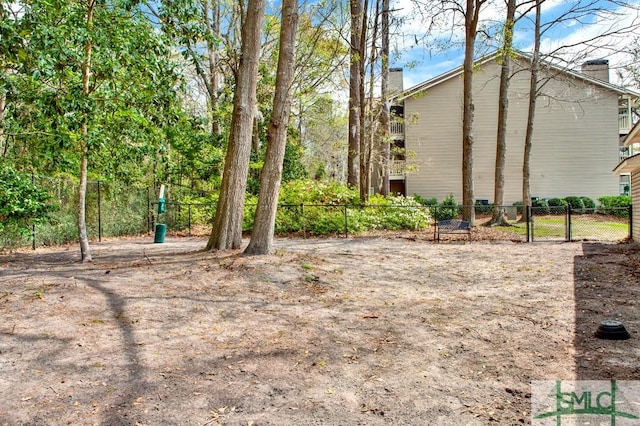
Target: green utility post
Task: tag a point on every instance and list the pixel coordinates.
(161, 228)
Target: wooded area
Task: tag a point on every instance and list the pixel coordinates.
(230, 98)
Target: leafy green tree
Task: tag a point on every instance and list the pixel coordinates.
(324, 137)
(95, 89)
(22, 204)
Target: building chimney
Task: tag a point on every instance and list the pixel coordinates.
(597, 68)
(395, 81)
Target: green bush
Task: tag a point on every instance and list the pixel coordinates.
(323, 211)
(289, 218)
(313, 192)
(576, 204)
(540, 207)
(616, 205)
(425, 201)
(22, 204)
(60, 229)
(320, 208)
(203, 209)
(588, 203)
(324, 219)
(395, 212)
(250, 204)
(557, 206)
(124, 210)
(447, 210)
(520, 206)
(557, 202)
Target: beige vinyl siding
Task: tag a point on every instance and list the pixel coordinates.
(635, 200)
(575, 139)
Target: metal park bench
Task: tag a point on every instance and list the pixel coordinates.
(453, 226)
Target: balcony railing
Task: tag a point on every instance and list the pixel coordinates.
(398, 169)
(624, 123)
(397, 129)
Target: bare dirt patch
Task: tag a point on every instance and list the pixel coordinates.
(334, 331)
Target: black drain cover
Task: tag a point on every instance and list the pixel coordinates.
(612, 330)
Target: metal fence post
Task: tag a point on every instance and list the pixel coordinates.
(148, 210)
(630, 221)
(304, 227)
(529, 217)
(569, 225)
(33, 225)
(346, 222)
(189, 219)
(99, 216)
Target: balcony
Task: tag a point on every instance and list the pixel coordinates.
(624, 154)
(398, 169)
(624, 123)
(397, 130)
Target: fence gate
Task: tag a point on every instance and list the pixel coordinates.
(563, 223)
(549, 224)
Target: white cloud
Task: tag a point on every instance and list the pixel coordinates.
(425, 56)
(604, 38)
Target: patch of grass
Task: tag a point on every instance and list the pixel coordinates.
(581, 228)
(307, 266)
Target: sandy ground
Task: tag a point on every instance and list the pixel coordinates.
(365, 331)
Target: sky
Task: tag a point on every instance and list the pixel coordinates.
(423, 58)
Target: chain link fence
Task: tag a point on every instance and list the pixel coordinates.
(111, 210)
(547, 223)
(309, 220)
(114, 210)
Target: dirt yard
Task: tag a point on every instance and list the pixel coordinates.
(365, 331)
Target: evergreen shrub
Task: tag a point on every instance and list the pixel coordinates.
(588, 203)
(22, 205)
(576, 204)
(616, 205)
(557, 206)
(540, 207)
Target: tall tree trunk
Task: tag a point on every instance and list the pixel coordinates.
(385, 120)
(212, 21)
(3, 107)
(355, 131)
(365, 145)
(227, 223)
(503, 105)
(533, 94)
(471, 26)
(271, 176)
(255, 137)
(85, 250)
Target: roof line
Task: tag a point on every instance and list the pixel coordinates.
(627, 165)
(412, 91)
(635, 131)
